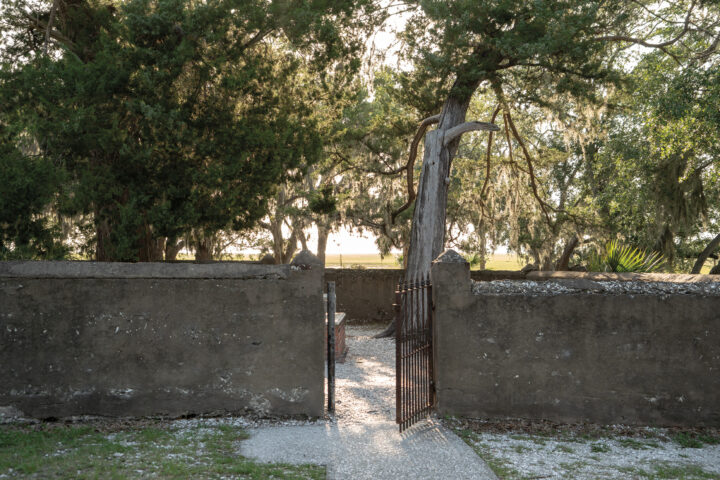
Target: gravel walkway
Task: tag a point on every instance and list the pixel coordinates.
(363, 441)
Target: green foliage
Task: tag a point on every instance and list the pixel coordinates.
(27, 190)
(323, 201)
(198, 451)
(623, 258)
(473, 259)
(655, 178)
(172, 117)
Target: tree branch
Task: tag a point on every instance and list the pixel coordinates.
(714, 243)
(455, 132)
(422, 128)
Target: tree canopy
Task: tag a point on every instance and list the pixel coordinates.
(130, 130)
(168, 117)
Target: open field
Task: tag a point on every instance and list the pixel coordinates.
(369, 260)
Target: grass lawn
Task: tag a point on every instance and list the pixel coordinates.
(193, 450)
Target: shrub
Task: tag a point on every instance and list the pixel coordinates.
(623, 258)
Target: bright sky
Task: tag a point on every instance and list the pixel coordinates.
(346, 242)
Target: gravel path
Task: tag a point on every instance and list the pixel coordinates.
(363, 441)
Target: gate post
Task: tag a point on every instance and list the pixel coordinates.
(451, 285)
(331, 345)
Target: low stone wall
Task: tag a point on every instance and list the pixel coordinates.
(578, 347)
(85, 338)
(368, 295)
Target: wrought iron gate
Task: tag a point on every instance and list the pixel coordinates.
(415, 393)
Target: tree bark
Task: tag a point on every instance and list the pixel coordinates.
(102, 242)
(563, 263)
(150, 249)
(714, 244)
(203, 251)
(323, 234)
(172, 248)
(427, 236)
(290, 247)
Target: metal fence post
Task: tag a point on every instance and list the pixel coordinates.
(331, 345)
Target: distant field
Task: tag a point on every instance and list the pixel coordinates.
(358, 260)
(497, 262)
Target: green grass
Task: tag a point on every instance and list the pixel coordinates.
(666, 471)
(687, 440)
(599, 448)
(203, 451)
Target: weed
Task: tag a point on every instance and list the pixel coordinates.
(564, 448)
(636, 445)
(599, 448)
(521, 448)
(687, 441)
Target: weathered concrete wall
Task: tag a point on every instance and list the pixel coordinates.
(581, 356)
(161, 339)
(367, 295)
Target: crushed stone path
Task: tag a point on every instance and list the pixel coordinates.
(363, 441)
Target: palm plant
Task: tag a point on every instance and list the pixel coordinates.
(623, 258)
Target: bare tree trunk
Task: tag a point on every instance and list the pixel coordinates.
(302, 237)
(546, 264)
(172, 248)
(290, 247)
(483, 249)
(714, 243)
(563, 263)
(323, 234)
(102, 242)
(278, 244)
(427, 236)
(203, 251)
(150, 249)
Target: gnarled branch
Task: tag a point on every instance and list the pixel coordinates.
(455, 132)
(422, 128)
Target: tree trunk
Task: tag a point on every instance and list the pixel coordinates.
(563, 263)
(300, 229)
(483, 249)
(150, 249)
(203, 251)
(172, 248)
(714, 243)
(102, 242)
(290, 247)
(427, 236)
(323, 234)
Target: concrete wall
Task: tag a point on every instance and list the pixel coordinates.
(367, 295)
(85, 338)
(581, 356)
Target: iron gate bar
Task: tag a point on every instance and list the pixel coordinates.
(413, 350)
